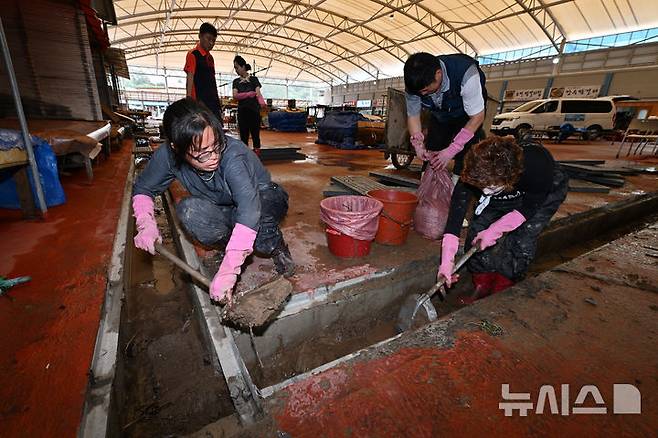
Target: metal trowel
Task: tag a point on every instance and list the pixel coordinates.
(414, 303)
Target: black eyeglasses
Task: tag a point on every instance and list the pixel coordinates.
(205, 156)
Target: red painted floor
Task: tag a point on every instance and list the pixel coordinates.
(590, 321)
(48, 326)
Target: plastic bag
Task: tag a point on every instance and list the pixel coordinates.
(434, 195)
(354, 216)
(46, 163)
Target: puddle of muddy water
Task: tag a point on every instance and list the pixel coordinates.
(336, 341)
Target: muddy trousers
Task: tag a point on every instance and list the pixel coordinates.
(249, 123)
(513, 253)
(212, 224)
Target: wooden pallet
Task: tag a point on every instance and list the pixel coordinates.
(361, 185)
(333, 189)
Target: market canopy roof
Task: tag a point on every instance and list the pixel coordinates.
(338, 40)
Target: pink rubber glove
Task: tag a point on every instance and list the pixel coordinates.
(239, 246)
(245, 95)
(147, 229)
(418, 143)
(510, 222)
(261, 100)
(442, 158)
(449, 247)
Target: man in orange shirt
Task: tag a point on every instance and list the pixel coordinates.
(200, 69)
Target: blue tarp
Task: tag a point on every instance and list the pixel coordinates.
(339, 128)
(46, 163)
(287, 121)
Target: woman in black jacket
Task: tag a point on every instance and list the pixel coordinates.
(518, 188)
(246, 90)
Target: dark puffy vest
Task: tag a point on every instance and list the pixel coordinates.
(452, 105)
(205, 84)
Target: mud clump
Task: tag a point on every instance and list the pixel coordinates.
(255, 308)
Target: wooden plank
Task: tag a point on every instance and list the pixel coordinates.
(95, 151)
(400, 180)
(585, 162)
(599, 170)
(25, 194)
(361, 185)
(333, 189)
(272, 154)
(12, 157)
(610, 182)
(142, 150)
(643, 169)
(580, 186)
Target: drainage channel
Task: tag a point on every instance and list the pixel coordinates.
(177, 368)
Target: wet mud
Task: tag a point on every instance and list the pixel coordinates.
(166, 382)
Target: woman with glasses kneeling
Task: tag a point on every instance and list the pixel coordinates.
(519, 188)
(233, 204)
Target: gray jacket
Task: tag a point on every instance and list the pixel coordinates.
(236, 182)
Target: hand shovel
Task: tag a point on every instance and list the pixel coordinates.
(414, 302)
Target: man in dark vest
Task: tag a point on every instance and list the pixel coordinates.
(200, 69)
(452, 88)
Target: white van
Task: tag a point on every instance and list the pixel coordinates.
(593, 115)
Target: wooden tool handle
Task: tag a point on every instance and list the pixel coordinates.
(181, 264)
(458, 266)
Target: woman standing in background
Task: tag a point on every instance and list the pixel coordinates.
(246, 90)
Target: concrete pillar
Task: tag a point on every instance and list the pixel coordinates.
(501, 96)
(549, 85)
(605, 87)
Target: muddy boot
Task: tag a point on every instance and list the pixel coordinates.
(483, 283)
(212, 260)
(500, 283)
(283, 261)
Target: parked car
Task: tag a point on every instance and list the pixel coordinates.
(592, 115)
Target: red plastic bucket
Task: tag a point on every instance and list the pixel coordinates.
(397, 216)
(351, 223)
(341, 245)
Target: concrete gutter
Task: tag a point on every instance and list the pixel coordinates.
(95, 416)
(219, 338)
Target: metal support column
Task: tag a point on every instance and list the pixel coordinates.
(164, 70)
(501, 97)
(605, 88)
(21, 118)
(549, 85)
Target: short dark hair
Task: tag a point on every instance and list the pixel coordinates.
(184, 122)
(419, 71)
(495, 161)
(241, 62)
(208, 28)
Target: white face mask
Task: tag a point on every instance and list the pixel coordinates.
(492, 190)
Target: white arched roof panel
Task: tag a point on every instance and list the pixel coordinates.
(361, 39)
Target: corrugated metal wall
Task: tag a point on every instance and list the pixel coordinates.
(50, 51)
